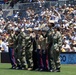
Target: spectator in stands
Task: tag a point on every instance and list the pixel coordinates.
(3, 45)
(1, 13)
(66, 46)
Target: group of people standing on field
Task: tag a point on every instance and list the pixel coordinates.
(35, 49)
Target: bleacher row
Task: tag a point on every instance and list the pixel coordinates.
(45, 3)
(21, 7)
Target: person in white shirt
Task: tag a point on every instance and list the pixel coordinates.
(4, 47)
(66, 46)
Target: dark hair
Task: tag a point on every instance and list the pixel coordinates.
(58, 28)
(53, 24)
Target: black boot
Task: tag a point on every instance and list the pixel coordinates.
(58, 70)
(24, 67)
(18, 67)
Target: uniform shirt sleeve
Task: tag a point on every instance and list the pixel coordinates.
(59, 40)
(23, 39)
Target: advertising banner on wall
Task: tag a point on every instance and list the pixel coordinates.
(68, 58)
(1, 1)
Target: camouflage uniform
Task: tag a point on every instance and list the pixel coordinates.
(19, 45)
(49, 50)
(56, 46)
(28, 50)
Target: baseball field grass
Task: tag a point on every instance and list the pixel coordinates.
(65, 70)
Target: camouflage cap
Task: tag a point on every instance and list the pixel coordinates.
(37, 28)
(29, 29)
(17, 30)
(45, 29)
(51, 21)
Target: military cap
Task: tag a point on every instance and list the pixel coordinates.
(51, 21)
(45, 29)
(57, 27)
(29, 29)
(17, 30)
(42, 26)
(37, 28)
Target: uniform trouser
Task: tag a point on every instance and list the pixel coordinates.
(35, 60)
(11, 56)
(49, 59)
(39, 57)
(29, 58)
(20, 58)
(44, 59)
(53, 59)
(56, 57)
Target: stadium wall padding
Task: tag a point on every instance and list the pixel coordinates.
(66, 58)
(5, 58)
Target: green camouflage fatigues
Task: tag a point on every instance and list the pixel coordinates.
(49, 45)
(19, 45)
(28, 50)
(56, 46)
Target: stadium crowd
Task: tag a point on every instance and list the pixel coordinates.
(13, 2)
(36, 26)
(64, 17)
